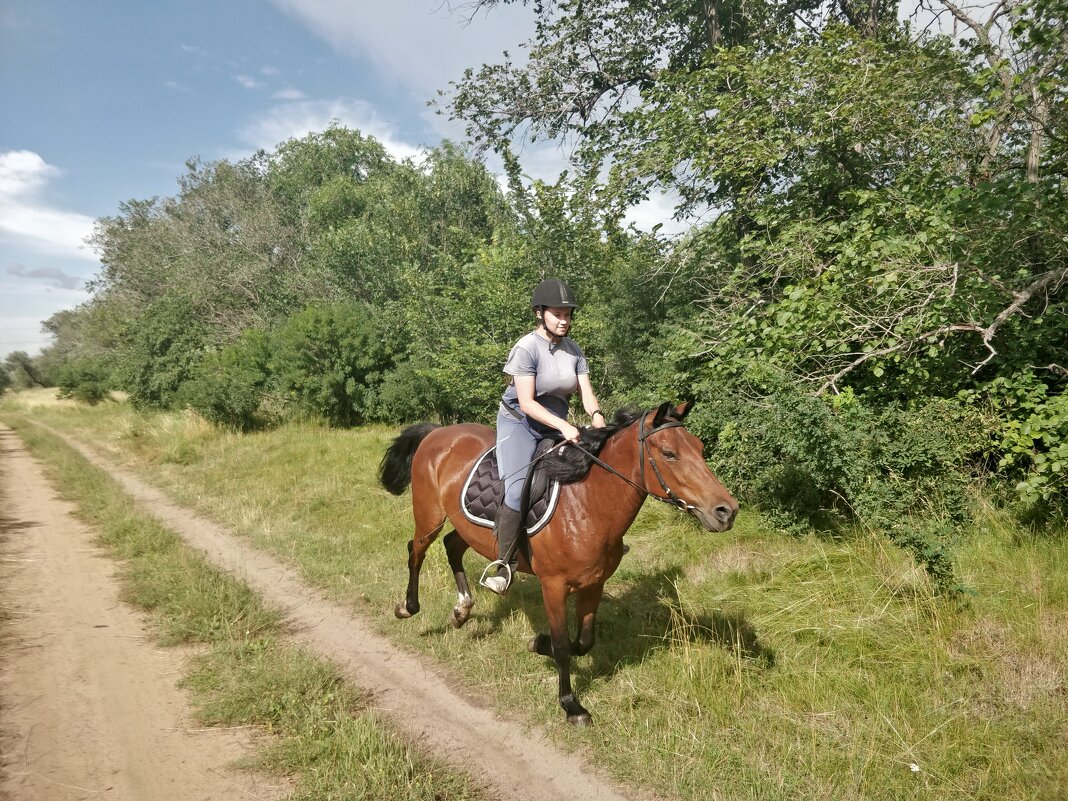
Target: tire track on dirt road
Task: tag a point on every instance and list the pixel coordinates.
(89, 706)
(514, 762)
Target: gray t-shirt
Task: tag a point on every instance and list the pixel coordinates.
(555, 368)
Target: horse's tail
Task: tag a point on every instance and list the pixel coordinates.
(395, 471)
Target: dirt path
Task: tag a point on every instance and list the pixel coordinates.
(514, 762)
(88, 706)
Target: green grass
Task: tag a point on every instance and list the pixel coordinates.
(750, 665)
(326, 737)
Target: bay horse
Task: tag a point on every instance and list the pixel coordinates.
(639, 455)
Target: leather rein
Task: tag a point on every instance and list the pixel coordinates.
(672, 499)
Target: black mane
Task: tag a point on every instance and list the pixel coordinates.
(568, 464)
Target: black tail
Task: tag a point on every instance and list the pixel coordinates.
(395, 471)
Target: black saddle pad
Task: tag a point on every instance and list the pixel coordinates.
(482, 492)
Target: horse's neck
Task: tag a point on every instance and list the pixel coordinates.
(619, 501)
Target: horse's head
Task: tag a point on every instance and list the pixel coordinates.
(674, 468)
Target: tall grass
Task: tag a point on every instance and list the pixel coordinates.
(750, 665)
(327, 738)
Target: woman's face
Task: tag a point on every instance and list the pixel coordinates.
(557, 320)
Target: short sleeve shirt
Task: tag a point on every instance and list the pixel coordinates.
(555, 368)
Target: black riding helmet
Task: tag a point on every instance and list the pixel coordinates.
(555, 293)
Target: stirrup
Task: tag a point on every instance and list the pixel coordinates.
(508, 577)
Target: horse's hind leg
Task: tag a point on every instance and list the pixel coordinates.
(416, 554)
(456, 547)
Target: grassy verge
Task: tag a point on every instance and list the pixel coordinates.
(750, 665)
(325, 737)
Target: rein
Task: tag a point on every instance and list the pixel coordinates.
(672, 499)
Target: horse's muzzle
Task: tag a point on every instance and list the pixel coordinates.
(719, 518)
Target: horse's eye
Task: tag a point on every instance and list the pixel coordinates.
(669, 455)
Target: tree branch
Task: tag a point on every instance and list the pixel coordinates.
(987, 334)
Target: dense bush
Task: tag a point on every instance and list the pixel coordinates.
(162, 351)
(328, 361)
(229, 385)
(85, 380)
(1033, 442)
(830, 463)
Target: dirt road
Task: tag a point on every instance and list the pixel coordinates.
(408, 691)
(88, 706)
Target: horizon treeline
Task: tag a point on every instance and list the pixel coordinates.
(869, 304)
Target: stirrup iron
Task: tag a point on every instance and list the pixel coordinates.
(507, 574)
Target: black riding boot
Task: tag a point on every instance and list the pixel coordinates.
(506, 528)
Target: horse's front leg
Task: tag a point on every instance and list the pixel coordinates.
(586, 610)
(555, 597)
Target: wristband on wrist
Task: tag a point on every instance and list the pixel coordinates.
(597, 411)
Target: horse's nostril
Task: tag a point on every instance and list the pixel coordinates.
(724, 513)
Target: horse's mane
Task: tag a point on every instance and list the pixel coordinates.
(568, 464)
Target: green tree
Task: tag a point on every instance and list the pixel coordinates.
(328, 361)
(229, 385)
(164, 346)
(24, 371)
(86, 380)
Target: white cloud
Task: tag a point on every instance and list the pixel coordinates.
(20, 332)
(270, 72)
(658, 209)
(418, 43)
(23, 172)
(28, 218)
(299, 118)
(248, 82)
(178, 86)
(288, 94)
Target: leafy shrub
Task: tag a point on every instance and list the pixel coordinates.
(328, 359)
(811, 461)
(85, 380)
(1034, 442)
(407, 393)
(164, 347)
(228, 386)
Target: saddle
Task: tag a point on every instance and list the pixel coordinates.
(482, 491)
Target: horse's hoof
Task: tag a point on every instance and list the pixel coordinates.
(401, 611)
(581, 720)
(458, 618)
(541, 644)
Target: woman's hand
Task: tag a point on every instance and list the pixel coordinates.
(597, 420)
(571, 434)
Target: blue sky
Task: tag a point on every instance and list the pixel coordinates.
(104, 101)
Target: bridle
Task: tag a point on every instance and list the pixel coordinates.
(672, 499)
(643, 435)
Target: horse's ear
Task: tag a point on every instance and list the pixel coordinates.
(661, 414)
(683, 409)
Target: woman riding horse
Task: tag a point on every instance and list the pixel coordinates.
(545, 367)
(580, 547)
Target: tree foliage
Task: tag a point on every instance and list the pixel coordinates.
(868, 301)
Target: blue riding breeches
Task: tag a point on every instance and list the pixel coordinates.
(516, 443)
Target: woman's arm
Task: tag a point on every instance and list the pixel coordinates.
(524, 387)
(589, 401)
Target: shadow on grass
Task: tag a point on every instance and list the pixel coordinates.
(644, 618)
